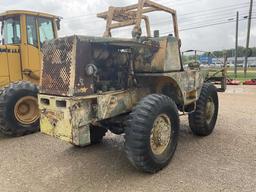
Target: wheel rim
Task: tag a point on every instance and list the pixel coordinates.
(26, 110)
(160, 134)
(210, 108)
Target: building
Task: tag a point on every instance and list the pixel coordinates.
(231, 61)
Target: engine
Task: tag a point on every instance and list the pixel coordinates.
(111, 68)
(79, 66)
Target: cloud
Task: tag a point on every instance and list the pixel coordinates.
(80, 18)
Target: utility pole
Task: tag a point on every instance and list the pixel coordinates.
(237, 17)
(248, 38)
(195, 56)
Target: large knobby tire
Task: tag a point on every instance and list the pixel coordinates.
(202, 121)
(19, 112)
(152, 132)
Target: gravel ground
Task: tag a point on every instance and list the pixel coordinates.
(223, 161)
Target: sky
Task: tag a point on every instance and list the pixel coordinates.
(79, 17)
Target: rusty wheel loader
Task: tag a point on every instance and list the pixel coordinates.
(23, 33)
(136, 87)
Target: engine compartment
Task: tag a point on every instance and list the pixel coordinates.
(110, 66)
(82, 65)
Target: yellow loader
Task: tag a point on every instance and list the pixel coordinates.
(23, 33)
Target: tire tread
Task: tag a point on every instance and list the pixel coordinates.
(7, 94)
(136, 131)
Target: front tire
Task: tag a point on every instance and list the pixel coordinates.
(152, 133)
(202, 121)
(19, 112)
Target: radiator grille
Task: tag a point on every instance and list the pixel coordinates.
(56, 70)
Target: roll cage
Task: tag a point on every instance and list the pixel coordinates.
(117, 17)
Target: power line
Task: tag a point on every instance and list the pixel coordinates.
(191, 24)
(208, 25)
(212, 17)
(243, 15)
(223, 7)
(199, 11)
(181, 17)
(200, 14)
(217, 13)
(201, 26)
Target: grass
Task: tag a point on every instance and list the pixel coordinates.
(251, 74)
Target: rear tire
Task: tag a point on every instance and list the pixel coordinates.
(202, 121)
(151, 134)
(19, 112)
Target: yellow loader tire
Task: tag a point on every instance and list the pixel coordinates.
(19, 112)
